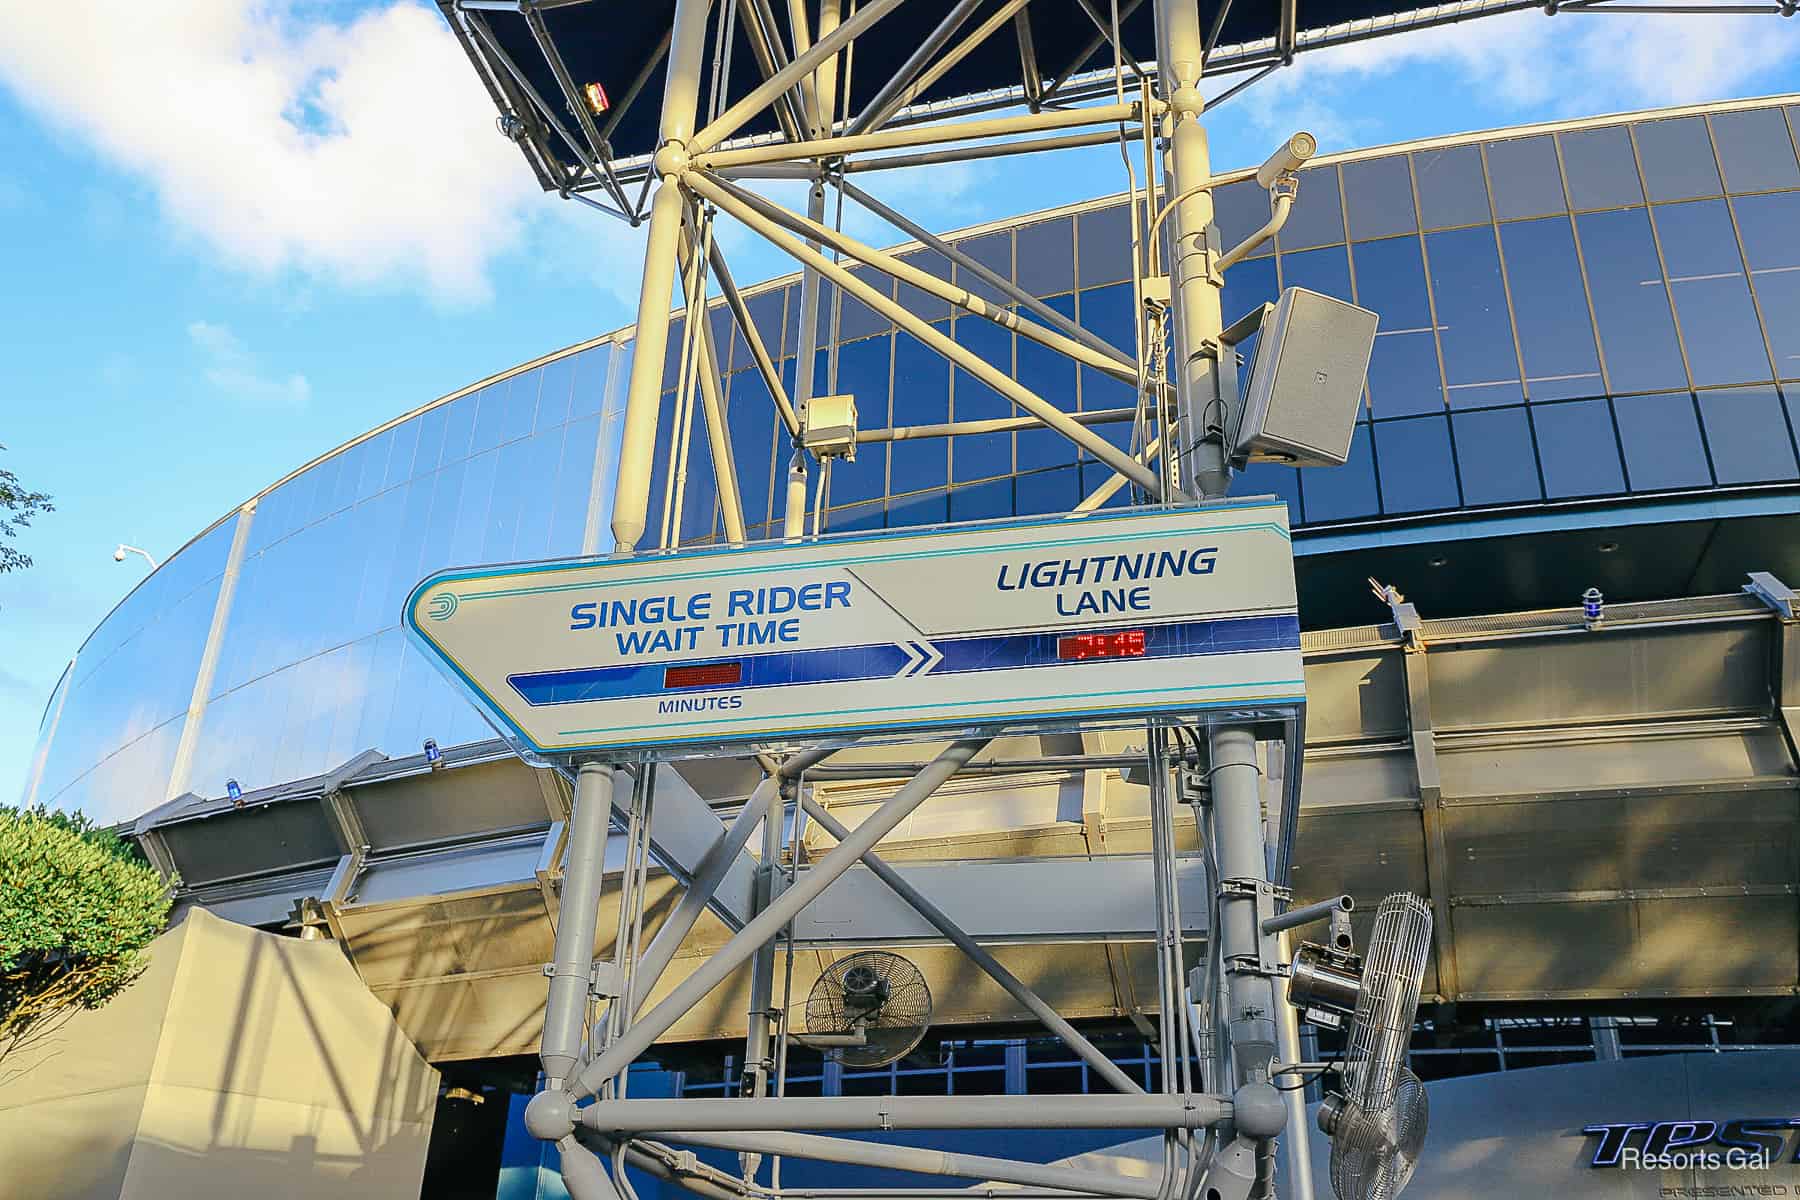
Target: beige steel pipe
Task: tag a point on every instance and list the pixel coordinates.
(759, 351)
(849, 1113)
(1112, 361)
(922, 135)
(907, 433)
(733, 118)
(1106, 491)
(1280, 204)
(933, 158)
(977, 36)
(886, 101)
(758, 930)
(972, 363)
(712, 401)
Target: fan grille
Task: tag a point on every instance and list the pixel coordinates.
(1393, 972)
(878, 992)
(1373, 1154)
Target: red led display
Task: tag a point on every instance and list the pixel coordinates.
(723, 674)
(1126, 643)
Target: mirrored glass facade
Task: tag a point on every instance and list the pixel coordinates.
(1609, 311)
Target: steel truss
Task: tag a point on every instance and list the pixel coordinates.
(1223, 1034)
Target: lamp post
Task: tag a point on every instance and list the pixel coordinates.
(120, 553)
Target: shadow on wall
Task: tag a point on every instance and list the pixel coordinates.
(241, 1064)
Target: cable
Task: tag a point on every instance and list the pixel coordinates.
(1335, 1062)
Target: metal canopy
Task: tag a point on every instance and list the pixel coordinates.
(624, 48)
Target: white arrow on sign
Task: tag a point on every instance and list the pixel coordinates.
(920, 658)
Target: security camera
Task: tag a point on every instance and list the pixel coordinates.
(119, 554)
(510, 127)
(1290, 158)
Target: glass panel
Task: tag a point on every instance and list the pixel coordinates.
(590, 381)
(1480, 366)
(1325, 270)
(920, 303)
(1601, 170)
(1271, 479)
(554, 390)
(1577, 449)
(1525, 177)
(932, 508)
(699, 501)
(1403, 372)
(1046, 257)
(1108, 313)
(1755, 150)
(858, 519)
(521, 404)
(1103, 252)
(1452, 190)
(400, 455)
(1247, 285)
(1417, 473)
(766, 311)
(1767, 225)
(459, 424)
(1631, 302)
(375, 464)
(921, 397)
(1747, 435)
(983, 501)
(464, 546)
(1341, 493)
(1550, 306)
(1712, 298)
(1052, 376)
(431, 440)
(1661, 437)
(1049, 491)
(1495, 457)
(1239, 209)
(1378, 193)
(1678, 158)
(993, 251)
(863, 370)
(574, 484)
(856, 319)
(753, 425)
(981, 455)
(490, 417)
(1317, 218)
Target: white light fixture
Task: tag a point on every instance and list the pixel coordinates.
(123, 550)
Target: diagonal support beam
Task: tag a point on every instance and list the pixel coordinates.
(733, 118)
(1015, 987)
(734, 953)
(712, 401)
(759, 350)
(893, 93)
(925, 332)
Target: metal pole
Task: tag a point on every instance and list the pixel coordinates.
(681, 93)
(743, 944)
(889, 99)
(758, 1066)
(1296, 1139)
(1015, 987)
(907, 433)
(976, 38)
(565, 1008)
(759, 351)
(922, 1161)
(1114, 362)
(1243, 865)
(940, 343)
(849, 1113)
(1195, 286)
(983, 152)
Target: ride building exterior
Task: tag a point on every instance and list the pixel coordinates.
(1587, 376)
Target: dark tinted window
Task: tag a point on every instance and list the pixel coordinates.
(1340, 493)
(752, 419)
(981, 455)
(1317, 219)
(1525, 178)
(1403, 372)
(863, 372)
(1637, 329)
(1239, 210)
(1048, 491)
(1767, 225)
(1678, 159)
(1271, 479)
(982, 502)
(1480, 366)
(993, 251)
(921, 397)
(1451, 188)
(1046, 257)
(1417, 473)
(1494, 456)
(1247, 285)
(1662, 444)
(1550, 306)
(1747, 434)
(922, 303)
(1378, 194)
(1325, 270)
(931, 509)
(1755, 150)
(1577, 449)
(1052, 376)
(1712, 298)
(1601, 170)
(856, 319)
(1104, 253)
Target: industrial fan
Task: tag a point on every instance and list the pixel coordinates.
(871, 1009)
(1377, 1121)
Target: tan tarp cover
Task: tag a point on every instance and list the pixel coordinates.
(241, 1065)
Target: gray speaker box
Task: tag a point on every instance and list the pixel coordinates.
(1305, 383)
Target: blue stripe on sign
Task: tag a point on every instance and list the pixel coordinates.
(847, 664)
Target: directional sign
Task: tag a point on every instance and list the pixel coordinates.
(1108, 616)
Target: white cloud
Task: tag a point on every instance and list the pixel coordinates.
(359, 152)
(233, 369)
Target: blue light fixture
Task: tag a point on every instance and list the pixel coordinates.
(1593, 607)
(434, 757)
(234, 791)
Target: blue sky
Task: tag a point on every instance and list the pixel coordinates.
(234, 238)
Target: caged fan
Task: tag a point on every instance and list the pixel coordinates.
(870, 1008)
(1377, 1120)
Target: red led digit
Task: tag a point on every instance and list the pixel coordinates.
(723, 674)
(1125, 643)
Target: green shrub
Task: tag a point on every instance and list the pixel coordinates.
(77, 907)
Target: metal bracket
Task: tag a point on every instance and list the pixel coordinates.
(1774, 593)
(1267, 960)
(1406, 618)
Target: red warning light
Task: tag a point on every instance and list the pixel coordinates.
(1125, 643)
(723, 674)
